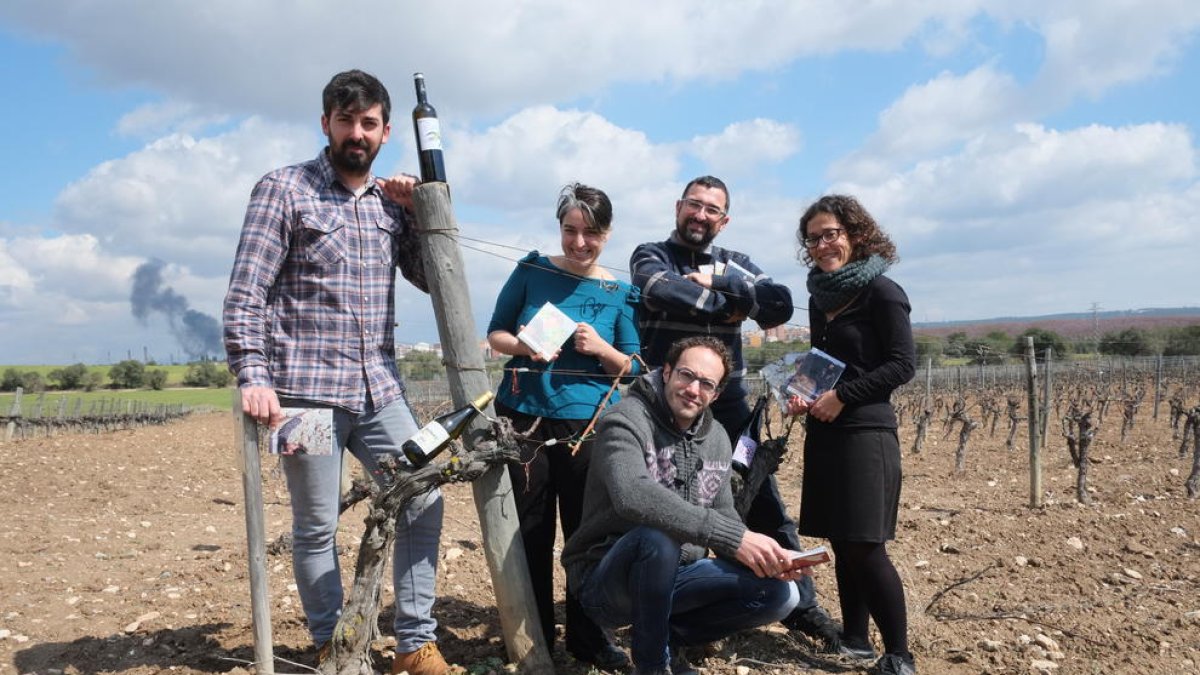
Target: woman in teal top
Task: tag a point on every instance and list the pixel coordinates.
(565, 392)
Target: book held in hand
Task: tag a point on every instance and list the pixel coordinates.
(807, 558)
(547, 330)
(815, 374)
(304, 431)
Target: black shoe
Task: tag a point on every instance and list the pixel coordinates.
(895, 664)
(679, 662)
(855, 651)
(816, 623)
(608, 657)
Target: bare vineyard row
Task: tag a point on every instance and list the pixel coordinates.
(102, 416)
(1071, 400)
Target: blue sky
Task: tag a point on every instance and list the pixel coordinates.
(1027, 158)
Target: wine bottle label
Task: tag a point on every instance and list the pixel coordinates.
(430, 437)
(743, 453)
(429, 134)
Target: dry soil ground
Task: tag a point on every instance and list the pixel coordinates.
(125, 553)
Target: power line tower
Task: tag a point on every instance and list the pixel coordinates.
(1096, 325)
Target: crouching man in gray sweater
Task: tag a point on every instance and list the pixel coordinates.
(657, 499)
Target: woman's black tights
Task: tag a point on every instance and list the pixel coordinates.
(869, 586)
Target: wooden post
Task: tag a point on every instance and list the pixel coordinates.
(503, 548)
(1157, 384)
(245, 438)
(13, 412)
(1035, 467)
(928, 378)
(1044, 416)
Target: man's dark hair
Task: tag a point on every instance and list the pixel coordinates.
(711, 182)
(355, 90)
(680, 346)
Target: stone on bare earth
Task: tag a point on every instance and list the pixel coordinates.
(137, 623)
(1047, 642)
(454, 553)
(990, 645)
(1192, 616)
(1043, 666)
(743, 670)
(958, 656)
(1137, 548)
(1075, 543)
(1132, 573)
(1021, 561)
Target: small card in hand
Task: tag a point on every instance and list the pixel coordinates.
(807, 558)
(304, 431)
(547, 330)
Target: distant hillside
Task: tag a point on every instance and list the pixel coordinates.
(1072, 326)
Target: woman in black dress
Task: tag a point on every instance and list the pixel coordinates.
(851, 485)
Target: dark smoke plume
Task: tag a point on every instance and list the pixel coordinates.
(198, 333)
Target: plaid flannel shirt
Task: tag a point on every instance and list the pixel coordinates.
(310, 309)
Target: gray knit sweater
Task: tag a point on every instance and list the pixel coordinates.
(646, 471)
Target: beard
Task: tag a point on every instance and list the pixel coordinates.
(698, 239)
(352, 156)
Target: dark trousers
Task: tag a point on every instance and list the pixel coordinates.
(550, 478)
(768, 514)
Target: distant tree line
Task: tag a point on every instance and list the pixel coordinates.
(127, 374)
(997, 347)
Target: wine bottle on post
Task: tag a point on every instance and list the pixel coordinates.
(749, 438)
(429, 135)
(433, 438)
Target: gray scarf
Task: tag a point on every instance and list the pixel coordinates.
(831, 290)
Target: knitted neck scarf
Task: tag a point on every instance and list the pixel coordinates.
(831, 290)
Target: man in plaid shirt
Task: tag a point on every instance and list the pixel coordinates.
(308, 324)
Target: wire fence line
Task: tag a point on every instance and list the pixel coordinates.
(1112, 369)
(101, 416)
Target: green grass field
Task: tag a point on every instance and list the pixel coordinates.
(216, 398)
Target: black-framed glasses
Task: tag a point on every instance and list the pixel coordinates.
(689, 376)
(708, 209)
(826, 237)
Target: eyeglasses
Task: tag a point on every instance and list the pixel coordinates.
(707, 209)
(826, 237)
(689, 376)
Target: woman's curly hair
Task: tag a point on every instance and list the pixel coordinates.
(866, 238)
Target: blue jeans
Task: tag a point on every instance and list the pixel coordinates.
(314, 483)
(640, 582)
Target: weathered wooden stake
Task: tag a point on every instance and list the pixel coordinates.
(1044, 414)
(245, 438)
(13, 412)
(1157, 385)
(463, 357)
(1035, 466)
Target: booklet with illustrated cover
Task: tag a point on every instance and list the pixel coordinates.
(547, 330)
(807, 558)
(304, 431)
(805, 374)
(815, 374)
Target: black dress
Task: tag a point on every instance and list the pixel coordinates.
(851, 485)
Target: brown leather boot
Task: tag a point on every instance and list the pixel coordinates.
(425, 661)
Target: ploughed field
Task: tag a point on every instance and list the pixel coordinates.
(125, 553)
